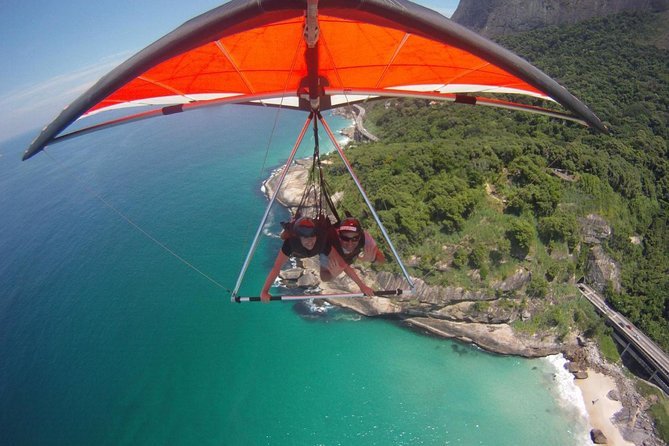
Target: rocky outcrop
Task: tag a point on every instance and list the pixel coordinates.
(498, 17)
(293, 185)
(594, 229)
(602, 270)
(500, 338)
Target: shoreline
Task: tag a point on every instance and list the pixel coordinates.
(596, 387)
(595, 390)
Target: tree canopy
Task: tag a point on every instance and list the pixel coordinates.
(479, 179)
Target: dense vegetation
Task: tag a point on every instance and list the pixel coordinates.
(474, 191)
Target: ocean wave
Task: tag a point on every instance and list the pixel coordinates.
(569, 397)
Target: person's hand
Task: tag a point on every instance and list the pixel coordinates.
(265, 296)
(335, 263)
(368, 252)
(367, 291)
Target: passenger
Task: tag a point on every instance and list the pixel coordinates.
(351, 243)
(307, 239)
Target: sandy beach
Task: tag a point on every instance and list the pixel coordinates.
(600, 408)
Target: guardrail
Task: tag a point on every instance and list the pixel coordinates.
(648, 354)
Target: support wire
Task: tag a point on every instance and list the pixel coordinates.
(256, 239)
(369, 204)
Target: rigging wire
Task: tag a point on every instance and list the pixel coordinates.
(89, 189)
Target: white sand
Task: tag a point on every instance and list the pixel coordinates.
(600, 408)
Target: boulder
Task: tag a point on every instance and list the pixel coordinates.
(613, 395)
(598, 437)
(291, 274)
(573, 367)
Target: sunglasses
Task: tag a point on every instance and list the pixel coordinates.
(349, 239)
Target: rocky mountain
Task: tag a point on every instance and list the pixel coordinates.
(497, 17)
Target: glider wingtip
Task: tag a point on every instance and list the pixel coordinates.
(31, 151)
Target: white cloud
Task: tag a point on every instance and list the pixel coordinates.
(448, 12)
(34, 107)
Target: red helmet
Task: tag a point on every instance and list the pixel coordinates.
(350, 224)
(304, 227)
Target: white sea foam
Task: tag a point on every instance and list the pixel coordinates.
(569, 396)
(344, 141)
(317, 308)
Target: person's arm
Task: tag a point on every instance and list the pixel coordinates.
(350, 272)
(281, 258)
(371, 251)
(379, 257)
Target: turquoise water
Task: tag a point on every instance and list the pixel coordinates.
(106, 338)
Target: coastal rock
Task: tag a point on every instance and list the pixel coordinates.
(494, 338)
(292, 189)
(598, 437)
(582, 374)
(308, 280)
(370, 306)
(601, 270)
(613, 395)
(434, 297)
(291, 274)
(489, 313)
(573, 367)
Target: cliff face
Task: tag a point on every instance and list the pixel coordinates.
(497, 17)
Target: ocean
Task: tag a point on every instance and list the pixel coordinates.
(107, 337)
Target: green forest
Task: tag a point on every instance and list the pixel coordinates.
(475, 189)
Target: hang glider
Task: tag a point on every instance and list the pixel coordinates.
(315, 55)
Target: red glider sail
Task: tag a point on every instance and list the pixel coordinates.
(264, 50)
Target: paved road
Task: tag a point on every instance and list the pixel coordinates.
(359, 118)
(644, 345)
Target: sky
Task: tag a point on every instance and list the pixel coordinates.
(53, 51)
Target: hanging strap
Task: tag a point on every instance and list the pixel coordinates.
(316, 187)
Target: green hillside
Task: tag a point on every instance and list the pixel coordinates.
(475, 190)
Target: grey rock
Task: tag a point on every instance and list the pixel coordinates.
(594, 229)
(613, 395)
(601, 269)
(499, 17)
(308, 280)
(598, 436)
(291, 274)
(519, 279)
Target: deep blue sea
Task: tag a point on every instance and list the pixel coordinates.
(106, 338)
